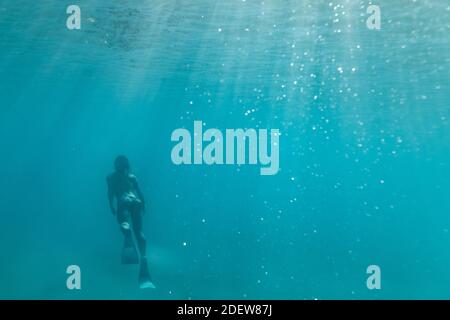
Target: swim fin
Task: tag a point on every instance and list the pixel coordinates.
(145, 281)
(129, 251)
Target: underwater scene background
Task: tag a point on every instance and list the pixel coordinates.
(364, 148)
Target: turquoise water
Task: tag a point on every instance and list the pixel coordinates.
(364, 149)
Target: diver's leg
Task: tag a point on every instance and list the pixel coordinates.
(145, 281)
(123, 222)
(136, 216)
(129, 252)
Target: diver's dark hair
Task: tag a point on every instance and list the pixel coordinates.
(121, 163)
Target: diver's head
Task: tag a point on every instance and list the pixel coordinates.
(122, 164)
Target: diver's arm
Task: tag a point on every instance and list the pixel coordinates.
(111, 203)
(111, 197)
(138, 191)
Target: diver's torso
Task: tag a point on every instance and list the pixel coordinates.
(123, 188)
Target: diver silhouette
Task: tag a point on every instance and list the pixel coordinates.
(129, 205)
